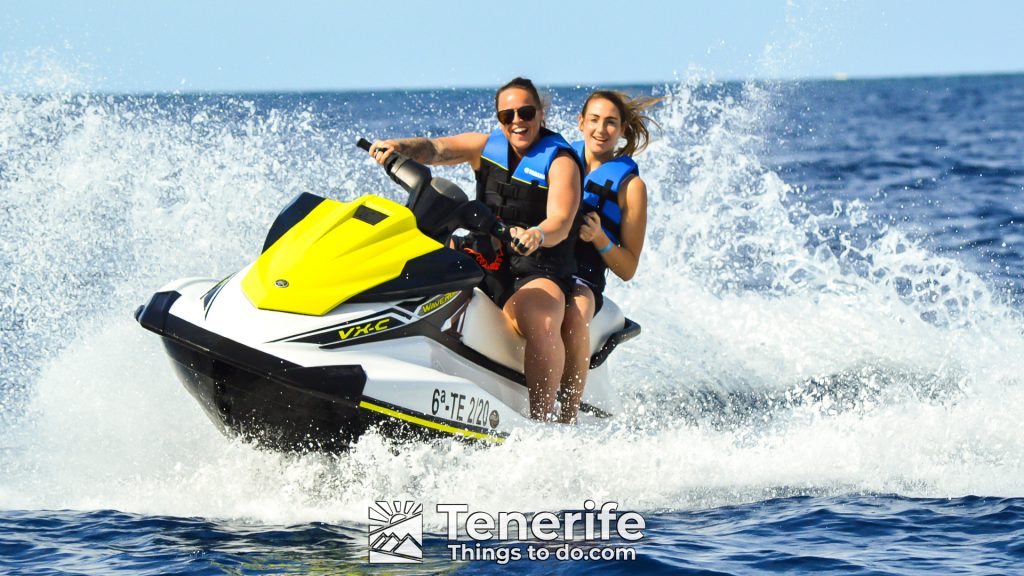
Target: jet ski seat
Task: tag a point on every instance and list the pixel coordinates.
(508, 348)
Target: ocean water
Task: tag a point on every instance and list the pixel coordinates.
(829, 377)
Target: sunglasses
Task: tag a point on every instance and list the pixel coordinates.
(527, 113)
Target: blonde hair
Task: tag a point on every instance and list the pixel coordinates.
(634, 121)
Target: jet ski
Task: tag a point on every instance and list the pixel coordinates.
(358, 315)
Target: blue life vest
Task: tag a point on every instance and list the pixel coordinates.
(601, 190)
(520, 198)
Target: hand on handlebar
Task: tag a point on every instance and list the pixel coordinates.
(525, 241)
(381, 150)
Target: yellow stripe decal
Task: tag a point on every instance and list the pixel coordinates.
(429, 424)
(495, 162)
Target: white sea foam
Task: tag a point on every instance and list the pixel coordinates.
(775, 360)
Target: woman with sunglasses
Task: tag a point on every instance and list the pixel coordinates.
(530, 178)
(614, 222)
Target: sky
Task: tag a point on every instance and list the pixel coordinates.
(299, 45)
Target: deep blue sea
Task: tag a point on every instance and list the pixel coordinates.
(829, 378)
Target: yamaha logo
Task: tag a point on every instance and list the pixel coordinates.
(533, 173)
(282, 283)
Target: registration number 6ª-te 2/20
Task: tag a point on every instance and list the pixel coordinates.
(457, 406)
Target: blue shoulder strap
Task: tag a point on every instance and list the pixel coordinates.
(601, 188)
(533, 169)
(496, 149)
(577, 146)
(614, 171)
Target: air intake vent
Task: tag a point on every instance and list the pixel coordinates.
(369, 215)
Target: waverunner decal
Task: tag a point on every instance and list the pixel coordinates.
(436, 303)
(365, 329)
(436, 323)
(344, 333)
(452, 326)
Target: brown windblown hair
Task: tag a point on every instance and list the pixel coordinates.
(634, 122)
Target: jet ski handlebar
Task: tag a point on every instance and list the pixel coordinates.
(407, 173)
(477, 217)
(439, 204)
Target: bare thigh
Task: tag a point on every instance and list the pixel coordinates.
(538, 305)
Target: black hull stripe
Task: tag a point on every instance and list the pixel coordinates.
(156, 317)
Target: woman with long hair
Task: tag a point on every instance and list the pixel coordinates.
(614, 222)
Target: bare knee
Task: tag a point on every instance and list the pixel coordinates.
(578, 315)
(537, 309)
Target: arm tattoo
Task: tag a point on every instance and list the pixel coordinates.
(420, 150)
(444, 155)
(428, 151)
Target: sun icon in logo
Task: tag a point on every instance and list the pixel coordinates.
(396, 532)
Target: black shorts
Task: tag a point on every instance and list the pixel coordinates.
(500, 282)
(598, 292)
(500, 286)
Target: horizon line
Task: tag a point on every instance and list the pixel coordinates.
(836, 77)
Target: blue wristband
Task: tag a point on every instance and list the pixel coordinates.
(537, 228)
(606, 248)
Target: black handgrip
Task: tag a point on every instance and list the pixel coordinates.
(405, 172)
(478, 217)
(501, 232)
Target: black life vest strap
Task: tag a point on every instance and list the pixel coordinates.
(603, 192)
(609, 225)
(508, 201)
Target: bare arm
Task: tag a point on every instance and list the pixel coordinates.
(461, 148)
(563, 200)
(623, 259)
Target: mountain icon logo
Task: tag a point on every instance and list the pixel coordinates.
(396, 533)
